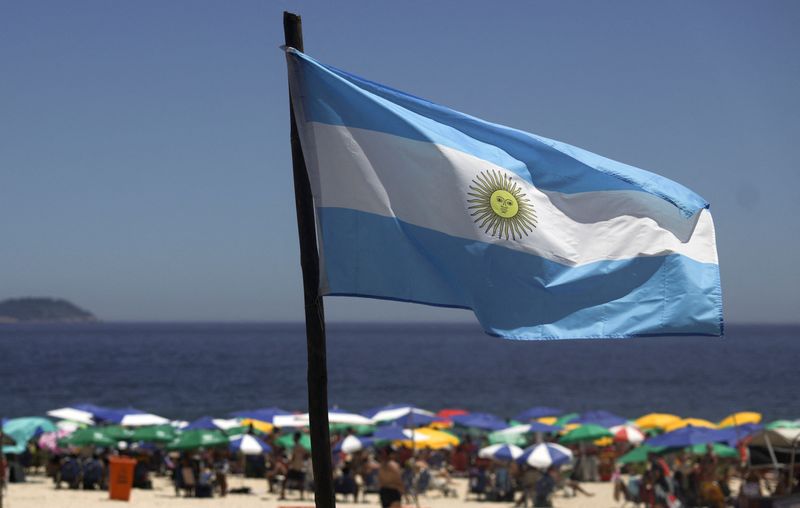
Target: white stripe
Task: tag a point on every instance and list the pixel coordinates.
(426, 184)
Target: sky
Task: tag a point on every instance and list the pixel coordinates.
(145, 170)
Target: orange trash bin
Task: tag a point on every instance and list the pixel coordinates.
(120, 477)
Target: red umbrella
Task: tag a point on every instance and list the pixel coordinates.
(627, 434)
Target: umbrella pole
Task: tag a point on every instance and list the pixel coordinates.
(3, 466)
(314, 311)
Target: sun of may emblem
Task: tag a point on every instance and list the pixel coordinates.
(500, 207)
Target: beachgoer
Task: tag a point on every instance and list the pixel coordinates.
(296, 473)
(390, 480)
(545, 487)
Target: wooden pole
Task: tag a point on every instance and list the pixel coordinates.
(315, 315)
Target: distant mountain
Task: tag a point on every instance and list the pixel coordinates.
(18, 310)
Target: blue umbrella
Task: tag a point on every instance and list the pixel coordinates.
(601, 418)
(483, 421)
(266, 414)
(538, 412)
(687, 436)
(389, 433)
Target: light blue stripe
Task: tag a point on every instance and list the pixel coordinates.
(335, 97)
(514, 294)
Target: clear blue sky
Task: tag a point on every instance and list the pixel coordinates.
(144, 156)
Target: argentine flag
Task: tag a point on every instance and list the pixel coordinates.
(541, 240)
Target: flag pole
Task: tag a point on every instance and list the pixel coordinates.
(315, 315)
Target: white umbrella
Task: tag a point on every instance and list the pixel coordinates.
(352, 444)
(141, 420)
(336, 416)
(72, 414)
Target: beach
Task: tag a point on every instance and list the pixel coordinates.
(39, 491)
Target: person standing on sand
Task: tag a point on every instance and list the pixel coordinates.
(296, 473)
(390, 480)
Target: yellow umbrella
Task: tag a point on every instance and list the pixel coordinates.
(604, 441)
(694, 422)
(568, 428)
(656, 420)
(426, 437)
(548, 420)
(258, 425)
(740, 419)
(441, 425)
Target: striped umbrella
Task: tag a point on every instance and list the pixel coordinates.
(249, 445)
(627, 434)
(500, 452)
(545, 455)
(401, 414)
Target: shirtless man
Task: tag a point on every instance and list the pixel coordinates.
(296, 473)
(390, 480)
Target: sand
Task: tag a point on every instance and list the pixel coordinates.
(40, 492)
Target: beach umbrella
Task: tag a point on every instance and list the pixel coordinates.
(516, 434)
(209, 423)
(686, 422)
(639, 454)
(538, 412)
(720, 450)
(685, 436)
(142, 419)
(198, 438)
(352, 444)
(560, 421)
(287, 441)
(259, 425)
(334, 416)
(22, 430)
(783, 424)
(655, 420)
(359, 430)
(587, 432)
(500, 452)
(426, 437)
(249, 445)
(627, 434)
(499, 437)
(72, 414)
(389, 433)
(447, 414)
(544, 455)
(601, 418)
(116, 432)
(482, 421)
(741, 418)
(154, 434)
(401, 414)
(90, 436)
(267, 414)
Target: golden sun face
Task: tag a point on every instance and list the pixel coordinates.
(499, 206)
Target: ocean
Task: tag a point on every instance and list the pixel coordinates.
(186, 370)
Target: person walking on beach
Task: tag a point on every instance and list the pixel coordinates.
(390, 480)
(296, 473)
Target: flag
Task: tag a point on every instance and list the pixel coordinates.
(540, 239)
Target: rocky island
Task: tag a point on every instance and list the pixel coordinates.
(42, 310)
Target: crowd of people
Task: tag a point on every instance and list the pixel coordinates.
(399, 475)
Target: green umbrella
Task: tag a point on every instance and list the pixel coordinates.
(359, 430)
(720, 450)
(89, 436)
(639, 454)
(587, 432)
(287, 441)
(198, 438)
(116, 432)
(783, 424)
(565, 419)
(515, 438)
(155, 434)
